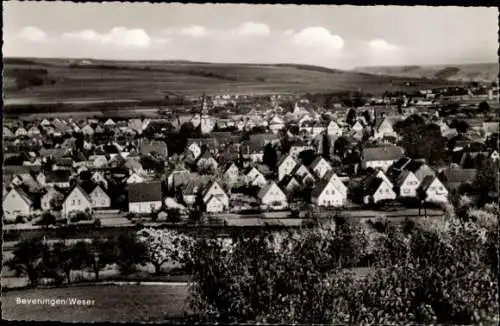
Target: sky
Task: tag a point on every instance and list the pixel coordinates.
(341, 37)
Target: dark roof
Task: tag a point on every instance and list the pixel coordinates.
(372, 184)
(57, 176)
(144, 192)
(456, 174)
(19, 169)
(426, 182)
(383, 153)
(320, 186)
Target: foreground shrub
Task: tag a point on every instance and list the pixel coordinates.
(429, 275)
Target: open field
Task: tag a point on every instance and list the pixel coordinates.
(481, 72)
(125, 303)
(63, 81)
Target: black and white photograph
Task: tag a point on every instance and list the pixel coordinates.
(250, 163)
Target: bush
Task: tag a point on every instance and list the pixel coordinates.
(444, 274)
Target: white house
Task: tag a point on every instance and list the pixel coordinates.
(16, 203)
(109, 123)
(77, 200)
(144, 197)
(195, 149)
(272, 197)
(327, 194)
(320, 167)
(333, 129)
(377, 189)
(286, 166)
(384, 128)
(407, 184)
(99, 198)
(214, 205)
(255, 177)
(276, 124)
(87, 130)
(215, 190)
(435, 191)
(98, 178)
(135, 178)
(381, 157)
(302, 173)
(231, 175)
(21, 132)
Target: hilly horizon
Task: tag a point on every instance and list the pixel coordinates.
(62, 80)
(478, 72)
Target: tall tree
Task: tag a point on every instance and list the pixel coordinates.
(351, 117)
(270, 157)
(483, 107)
(326, 146)
(27, 259)
(340, 147)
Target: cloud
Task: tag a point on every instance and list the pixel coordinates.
(288, 32)
(33, 34)
(382, 45)
(318, 37)
(195, 31)
(119, 36)
(253, 29)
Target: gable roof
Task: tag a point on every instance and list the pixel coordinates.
(382, 153)
(264, 190)
(427, 182)
(144, 192)
(456, 174)
(78, 187)
(23, 195)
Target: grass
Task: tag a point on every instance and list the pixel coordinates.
(124, 303)
(114, 80)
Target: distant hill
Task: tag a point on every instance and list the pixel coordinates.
(480, 72)
(37, 80)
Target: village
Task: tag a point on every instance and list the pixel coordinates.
(229, 155)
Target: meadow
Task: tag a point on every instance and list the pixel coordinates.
(91, 82)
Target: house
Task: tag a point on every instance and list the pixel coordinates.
(20, 132)
(272, 197)
(232, 174)
(77, 200)
(109, 123)
(194, 187)
(99, 198)
(384, 128)
(327, 194)
(289, 184)
(87, 130)
(214, 205)
(16, 203)
(33, 131)
(332, 177)
(381, 157)
(286, 166)
(489, 128)
(253, 151)
(357, 127)
(407, 184)
(134, 178)
(300, 172)
(333, 129)
(178, 177)
(435, 191)
(7, 133)
(98, 178)
(99, 161)
(144, 197)
(494, 156)
(377, 189)
(276, 124)
(206, 162)
(148, 147)
(214, 190)
(255, 177)
(297, 148)
(320, 167)
(455, 176)
(195, 149)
